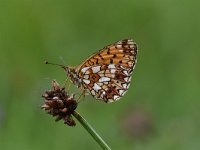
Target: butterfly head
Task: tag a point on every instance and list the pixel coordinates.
(69, 71)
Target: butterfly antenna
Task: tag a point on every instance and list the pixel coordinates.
(62, 66)
(62, 59)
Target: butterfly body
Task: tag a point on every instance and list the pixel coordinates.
(106, 74)
(72, 74)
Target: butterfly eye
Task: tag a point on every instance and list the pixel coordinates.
(68, 72)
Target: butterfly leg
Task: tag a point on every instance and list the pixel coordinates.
(67, 84)
(68, 87)
(82, 95)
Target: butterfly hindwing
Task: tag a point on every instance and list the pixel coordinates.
(107, 82)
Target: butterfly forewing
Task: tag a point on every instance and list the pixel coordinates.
(123, 53)
(106, 74)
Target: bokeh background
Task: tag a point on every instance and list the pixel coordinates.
(161, 108)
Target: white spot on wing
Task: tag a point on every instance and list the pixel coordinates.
(87, 72)
(125, 72)
(86, 81)
(112, 70)
(104, 79)
(101, 72)
(85, 69)
(102, 94)
(122, 67)
(112, 75)
(121, 92)
(55, 98)
(86, 77)
(130, 64)
(131, 46)
(119, 46)
(126, 79)
(96, 69)
(131, 57)
(130, 41)
(100, 83)
(124, 85)
(116, 97)
(93, 92)
(111, 66)
(96, 87)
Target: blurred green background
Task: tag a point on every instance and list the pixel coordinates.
(161, 108)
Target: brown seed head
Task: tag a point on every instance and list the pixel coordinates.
(59, 104)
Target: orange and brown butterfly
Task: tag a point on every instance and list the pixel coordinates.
(106, 75)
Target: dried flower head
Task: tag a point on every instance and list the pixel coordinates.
(59, 104)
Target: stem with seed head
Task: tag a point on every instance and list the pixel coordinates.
(91, 131)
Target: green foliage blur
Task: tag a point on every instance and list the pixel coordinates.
(161, 108)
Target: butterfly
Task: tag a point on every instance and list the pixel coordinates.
(106, 74)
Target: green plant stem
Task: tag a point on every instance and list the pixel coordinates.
(92, 132)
